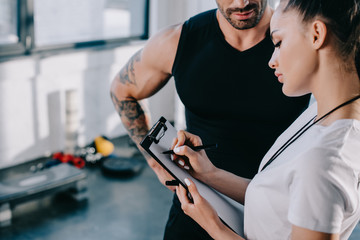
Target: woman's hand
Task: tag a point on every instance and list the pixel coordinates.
(198, 208)
(196, 162)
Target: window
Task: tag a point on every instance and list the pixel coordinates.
(35, 25)
(12, 40)
(8, 22)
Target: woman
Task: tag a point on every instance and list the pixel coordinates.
(307, 186)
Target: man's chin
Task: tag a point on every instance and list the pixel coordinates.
(244, 24)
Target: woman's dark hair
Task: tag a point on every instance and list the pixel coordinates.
(342, 17)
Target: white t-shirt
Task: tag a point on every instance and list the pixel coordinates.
(313, 183)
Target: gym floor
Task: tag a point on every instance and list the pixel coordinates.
(126, 208)
(129, 208)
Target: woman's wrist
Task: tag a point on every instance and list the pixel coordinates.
(220, 231)
(210, 175)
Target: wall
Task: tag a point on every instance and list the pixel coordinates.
(32, 92)
(32, 106)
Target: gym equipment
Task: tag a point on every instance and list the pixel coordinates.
(103, 146)
(60, 157)
(116, 166)
(96, 151)
(30, 185)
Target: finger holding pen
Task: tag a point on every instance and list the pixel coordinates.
(199, 163)
(188, 139)
(179, 160)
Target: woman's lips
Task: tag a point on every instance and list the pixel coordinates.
(279, 76)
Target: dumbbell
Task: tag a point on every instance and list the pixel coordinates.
(68, 158)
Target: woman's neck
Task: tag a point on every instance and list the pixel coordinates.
(334, 87)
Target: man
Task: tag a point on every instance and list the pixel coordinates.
(219, 62)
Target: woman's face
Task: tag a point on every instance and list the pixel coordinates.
(293, 59)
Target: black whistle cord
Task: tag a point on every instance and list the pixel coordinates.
(302, 130)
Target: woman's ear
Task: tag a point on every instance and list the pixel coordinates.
(318, 34)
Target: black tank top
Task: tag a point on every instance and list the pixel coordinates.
(231, 97)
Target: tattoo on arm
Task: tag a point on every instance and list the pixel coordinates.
(132, 116)
(127, 73)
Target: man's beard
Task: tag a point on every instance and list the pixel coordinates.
(248, 23)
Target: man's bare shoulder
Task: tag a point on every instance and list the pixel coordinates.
(160, 50)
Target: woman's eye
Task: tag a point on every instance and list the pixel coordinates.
(277, 45)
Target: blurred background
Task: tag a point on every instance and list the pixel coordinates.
(48, 47)
(57, 60)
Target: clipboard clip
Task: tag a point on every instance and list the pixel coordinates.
(157, 132)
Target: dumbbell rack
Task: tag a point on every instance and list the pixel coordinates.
(18, 185)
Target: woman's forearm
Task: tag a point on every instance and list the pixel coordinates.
(227, 183)
(224, 233)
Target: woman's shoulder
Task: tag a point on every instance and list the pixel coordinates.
(341, 135)
(337, 145)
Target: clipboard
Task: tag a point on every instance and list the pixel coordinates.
(159, 139)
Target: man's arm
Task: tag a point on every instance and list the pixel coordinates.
(145, 73)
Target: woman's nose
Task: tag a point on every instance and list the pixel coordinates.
(273, 62)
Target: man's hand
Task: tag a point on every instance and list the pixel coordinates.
(161, 173)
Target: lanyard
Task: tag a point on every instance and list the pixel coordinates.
(302, 130)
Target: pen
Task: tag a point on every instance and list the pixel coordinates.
(197, 148)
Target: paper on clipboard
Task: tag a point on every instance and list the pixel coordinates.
(159, 139)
